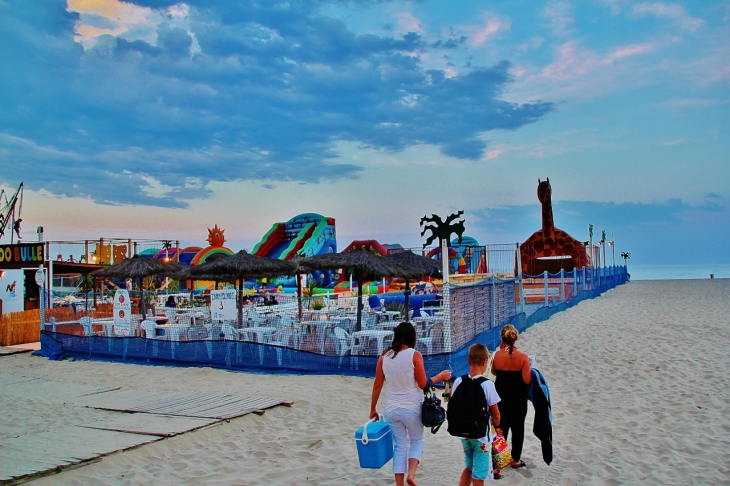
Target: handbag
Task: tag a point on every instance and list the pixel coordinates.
(432, 413)
(501, 456)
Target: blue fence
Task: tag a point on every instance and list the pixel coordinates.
(282, 343)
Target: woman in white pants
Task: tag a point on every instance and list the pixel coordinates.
(400, 368)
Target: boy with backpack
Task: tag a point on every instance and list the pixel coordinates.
(472, 403)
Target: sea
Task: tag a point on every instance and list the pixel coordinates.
(676, 272)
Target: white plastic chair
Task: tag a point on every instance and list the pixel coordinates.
(148, 326)
(86, 323)
(229, 332)
(369, 320)
(343, 344)
(170, 314)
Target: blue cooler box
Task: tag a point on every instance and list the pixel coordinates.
(376, 448)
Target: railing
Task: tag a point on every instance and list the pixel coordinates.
(497, 259)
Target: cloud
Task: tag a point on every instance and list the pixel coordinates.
(656, 232)
(673, 12)
(559, 18)
(485, 33)
(267, 96)
(574, 61)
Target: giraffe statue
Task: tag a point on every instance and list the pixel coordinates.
(545, 196)
(550, 241)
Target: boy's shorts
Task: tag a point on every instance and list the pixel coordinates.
(477, 458)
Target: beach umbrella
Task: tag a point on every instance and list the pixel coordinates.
(185, 274)
(239, 267)
(364, 263)
(425, 265)
(139, 268)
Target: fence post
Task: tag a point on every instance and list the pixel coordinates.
(562, 285)
(50, 284)
(583, 280)
(43, 305)
(519, 279)
(492, 304)
(575, 281)
(446, 296)
(545, 278)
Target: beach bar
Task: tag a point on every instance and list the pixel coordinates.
(282, 333)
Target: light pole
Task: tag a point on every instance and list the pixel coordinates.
(590, 243)
(613, 251)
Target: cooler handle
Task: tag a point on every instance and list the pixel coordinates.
(365, 438)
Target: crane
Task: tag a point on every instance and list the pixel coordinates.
(10, 207)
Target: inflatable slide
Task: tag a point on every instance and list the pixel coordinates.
(307, 234)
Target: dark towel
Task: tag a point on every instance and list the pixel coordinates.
(542, 428)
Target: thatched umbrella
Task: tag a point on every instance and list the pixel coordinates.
(185, 274)
(139, 268)
(364, 263)
(425, 265)
(240, 266)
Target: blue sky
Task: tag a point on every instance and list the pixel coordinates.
(157, 119)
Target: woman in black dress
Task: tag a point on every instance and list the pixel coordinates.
(512, 369)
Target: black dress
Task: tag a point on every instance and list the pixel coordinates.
(512, 392)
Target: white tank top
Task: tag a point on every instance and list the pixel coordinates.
(401, 389)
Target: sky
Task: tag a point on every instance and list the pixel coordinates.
(157, 119)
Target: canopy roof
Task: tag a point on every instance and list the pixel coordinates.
(241, 265)
(363, 261)
(138, 267)
(425, 265)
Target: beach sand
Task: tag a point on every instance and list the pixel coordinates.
(639, 380)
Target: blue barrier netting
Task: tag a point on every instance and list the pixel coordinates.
(324, 337)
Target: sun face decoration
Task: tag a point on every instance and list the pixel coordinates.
(215, 236)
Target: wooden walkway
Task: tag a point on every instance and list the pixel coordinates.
(202, 405)
(98, 422)
(31, 456)
(148, 424)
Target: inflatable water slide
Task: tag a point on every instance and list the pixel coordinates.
(307, 234)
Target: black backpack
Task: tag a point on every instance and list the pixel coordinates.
(468, 412)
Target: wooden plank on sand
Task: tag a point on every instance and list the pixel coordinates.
(201, 405)
(151, 424)
(38, 454)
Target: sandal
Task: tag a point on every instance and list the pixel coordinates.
(518, 465)
(497, 475)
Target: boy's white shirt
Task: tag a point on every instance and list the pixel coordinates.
(492, 399)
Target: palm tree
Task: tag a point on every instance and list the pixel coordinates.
(310, 290)
(86, 284)
(626, 256)
(166, 245)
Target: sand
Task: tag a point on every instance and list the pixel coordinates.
(639, 379)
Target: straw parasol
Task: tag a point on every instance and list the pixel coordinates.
(425, 265)
(185, 274)
(240, 266)
(138, 267)
(364, 263)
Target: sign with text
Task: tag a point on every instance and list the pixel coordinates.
(122, 313)
(12, 290)
(223, 305)
(21, 253)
